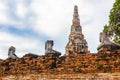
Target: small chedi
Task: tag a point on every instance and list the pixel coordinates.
(77, 59)
(77, 43)
(105, 42)
(11, 53)
(48, 48)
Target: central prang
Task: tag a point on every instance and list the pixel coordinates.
(77, 44)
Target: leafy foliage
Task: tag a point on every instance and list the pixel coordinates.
(106, 27)
(114, 21)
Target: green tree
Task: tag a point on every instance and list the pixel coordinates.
(114, 21)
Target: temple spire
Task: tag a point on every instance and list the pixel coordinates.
(76, 20)
(76, 44)
(76, 28)
(75, 9)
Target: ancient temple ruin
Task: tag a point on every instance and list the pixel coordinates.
(11, 53)
(49, 50)
(106, 44)
(77, 43)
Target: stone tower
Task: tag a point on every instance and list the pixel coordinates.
(77, 43)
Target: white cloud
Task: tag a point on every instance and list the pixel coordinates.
(15, 13)
(23, 45)
(3, 14)
(21, 10)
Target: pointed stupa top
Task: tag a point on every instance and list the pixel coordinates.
(76, 20)
(76, 9)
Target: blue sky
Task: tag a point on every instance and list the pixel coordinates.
(27, 24)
